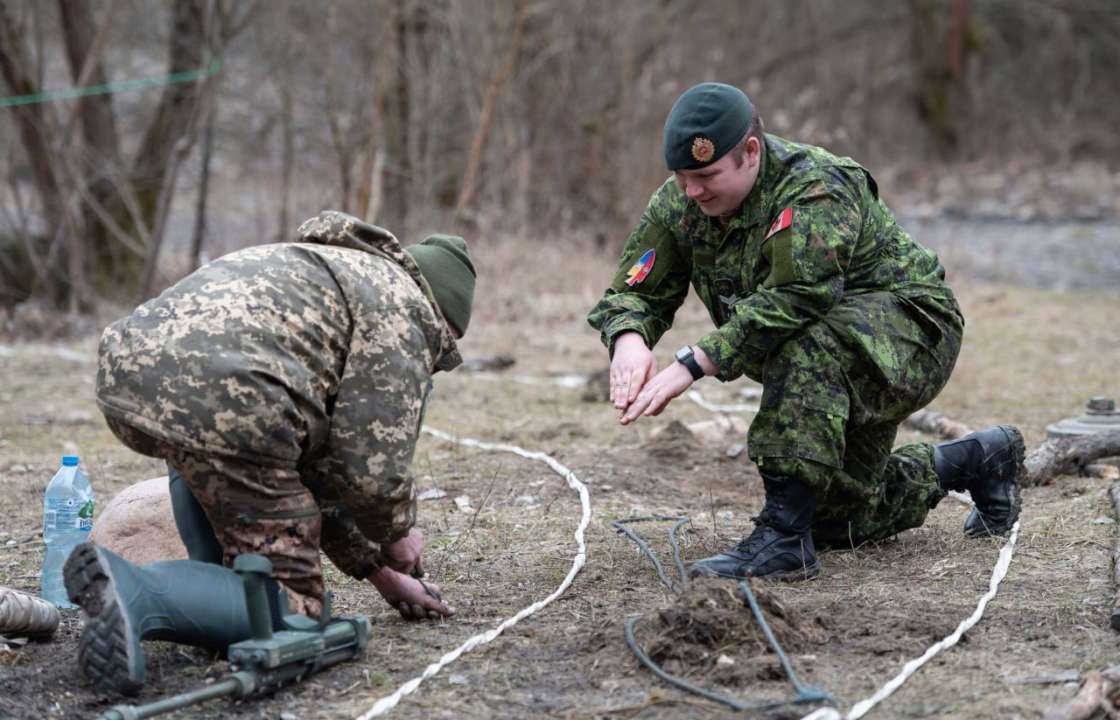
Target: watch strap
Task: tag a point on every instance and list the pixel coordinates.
(686, 357)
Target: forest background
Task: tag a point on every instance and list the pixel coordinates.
(138, 139)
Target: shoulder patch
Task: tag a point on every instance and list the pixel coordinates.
(639, 271)
(785, 219)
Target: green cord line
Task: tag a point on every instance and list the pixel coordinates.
(114, 87)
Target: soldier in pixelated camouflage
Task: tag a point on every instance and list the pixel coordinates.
(285, 385)
(818, 294)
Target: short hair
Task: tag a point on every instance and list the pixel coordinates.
(755, 130)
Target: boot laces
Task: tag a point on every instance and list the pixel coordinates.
(758, 537)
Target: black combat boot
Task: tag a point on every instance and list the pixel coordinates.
(182, 601)
(781, 546)
(989, 465)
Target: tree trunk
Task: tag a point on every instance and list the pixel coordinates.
(98, 161)
(938, 58)
(497, 82)
(342, 153)
(287, 161)
(34, 120)
(371, 181)
(398, 175)
(199, 234)
(95, 112)
(169, 135)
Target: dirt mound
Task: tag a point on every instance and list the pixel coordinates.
(675, 442)
(710, 632)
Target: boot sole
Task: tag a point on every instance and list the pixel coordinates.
(989, 529)
(105, 653)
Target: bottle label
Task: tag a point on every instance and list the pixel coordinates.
(85, 516)
(65, 514)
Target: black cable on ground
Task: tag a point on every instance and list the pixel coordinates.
(677, 548)
(620, 525)
(805, 694)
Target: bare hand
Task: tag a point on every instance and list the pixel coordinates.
(404, 554)
(413, 599)
(666, 385)
(632, 365)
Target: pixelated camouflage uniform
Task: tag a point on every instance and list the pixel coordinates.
(286, 383)
(843, 318)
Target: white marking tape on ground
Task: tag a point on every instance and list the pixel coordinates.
(862, 707)
(390, 701)
(696, 397)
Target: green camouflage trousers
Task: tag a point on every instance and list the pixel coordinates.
(833, 398)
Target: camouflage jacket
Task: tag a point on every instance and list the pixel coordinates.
(812, 231)
(316, 355)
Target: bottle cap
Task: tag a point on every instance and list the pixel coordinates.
(69, 459)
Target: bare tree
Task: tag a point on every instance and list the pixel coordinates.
(496, 85)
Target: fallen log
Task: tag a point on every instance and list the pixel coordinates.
(1097, 698)
(1057, 456)
(937, 424)
(1071, 456)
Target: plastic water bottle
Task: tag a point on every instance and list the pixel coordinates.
(67, 520)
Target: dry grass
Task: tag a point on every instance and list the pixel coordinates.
(1030, 358)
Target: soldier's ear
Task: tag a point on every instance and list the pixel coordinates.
(753, 150)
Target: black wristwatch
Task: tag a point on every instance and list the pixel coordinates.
(686, 358)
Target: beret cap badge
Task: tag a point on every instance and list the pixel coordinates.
(702, 149)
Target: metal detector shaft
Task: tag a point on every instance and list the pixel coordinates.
(231, 686)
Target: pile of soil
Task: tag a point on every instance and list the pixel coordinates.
(674, 443)
(709, 632)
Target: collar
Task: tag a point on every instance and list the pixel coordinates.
(754, 207)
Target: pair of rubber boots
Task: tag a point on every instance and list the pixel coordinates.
(988, 464)
(182, 601)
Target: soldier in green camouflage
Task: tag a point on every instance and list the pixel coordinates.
(285, 385)
(818, 294)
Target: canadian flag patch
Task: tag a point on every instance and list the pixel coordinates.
(785, 219)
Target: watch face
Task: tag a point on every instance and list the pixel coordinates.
(686, 357)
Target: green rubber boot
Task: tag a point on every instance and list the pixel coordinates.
(181, 601)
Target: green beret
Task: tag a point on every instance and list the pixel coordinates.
(706, 121)
(445, 262)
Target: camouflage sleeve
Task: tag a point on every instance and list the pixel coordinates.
(351, 551)
(807, 258)
(650, 284)
(374, 426)
(348, 547)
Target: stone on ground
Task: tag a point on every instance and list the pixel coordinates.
(137, 524)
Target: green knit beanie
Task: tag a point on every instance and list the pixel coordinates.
(445, 262)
